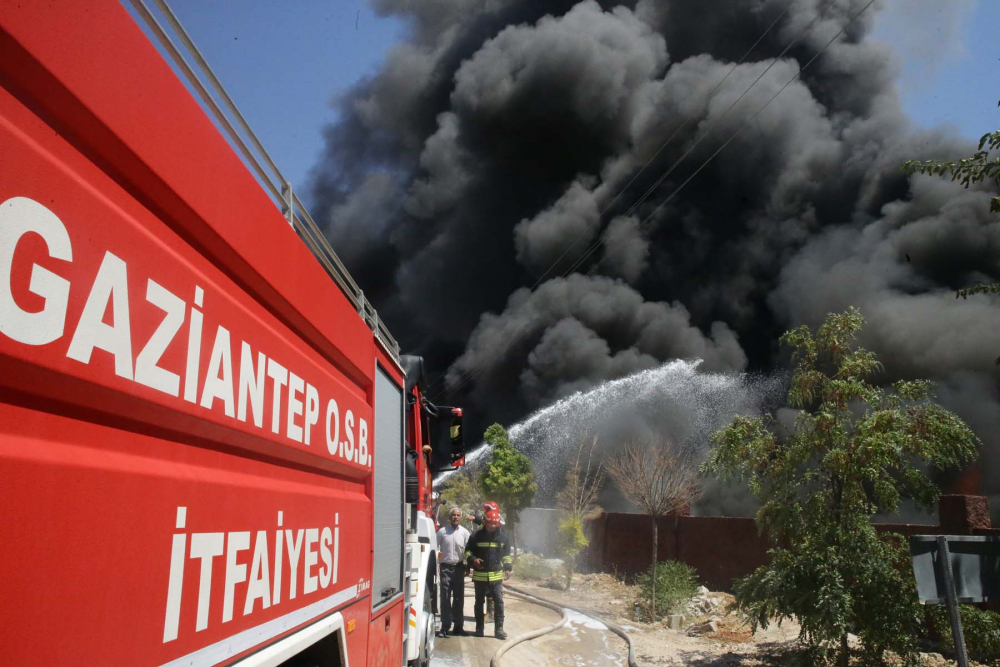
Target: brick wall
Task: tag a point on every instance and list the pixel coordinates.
(721, 549)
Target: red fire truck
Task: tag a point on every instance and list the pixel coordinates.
(211, 450)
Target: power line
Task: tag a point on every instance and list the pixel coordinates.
(441, 376)
(601, 239)
(661, 148)
(743, 126)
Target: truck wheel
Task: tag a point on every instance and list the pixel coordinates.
(429, 623)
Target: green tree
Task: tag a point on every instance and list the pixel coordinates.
(969, 171)
(507, 478)
(855, 449)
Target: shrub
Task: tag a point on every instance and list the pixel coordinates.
(571, 542)
(980, 627)
(676, 583)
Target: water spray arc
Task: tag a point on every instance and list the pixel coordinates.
(675, 399)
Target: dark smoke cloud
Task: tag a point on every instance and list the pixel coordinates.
(571, 223)
(503, 131)
(566, 330)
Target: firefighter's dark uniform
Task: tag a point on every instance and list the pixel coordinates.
(495, 551)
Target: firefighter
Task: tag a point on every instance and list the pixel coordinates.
(488, 554)
(480, 516)
(453, 540)
(478, 521)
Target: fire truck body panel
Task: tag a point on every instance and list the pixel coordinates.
(86, 506)
(201, 441)
(89, 71)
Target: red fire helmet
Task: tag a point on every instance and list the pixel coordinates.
(489, 505)
(493, 519)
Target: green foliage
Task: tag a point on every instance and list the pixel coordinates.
(533, 567)
(969, 171)
(461, 490)
(507, 478)
(676, 583)
(856, 449)
(980, 627)
(571, 542)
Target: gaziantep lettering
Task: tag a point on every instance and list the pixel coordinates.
(236, 390)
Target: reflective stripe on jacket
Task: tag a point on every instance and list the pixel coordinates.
(494, 550)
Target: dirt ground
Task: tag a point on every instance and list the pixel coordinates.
(581, 643)
(731, 644)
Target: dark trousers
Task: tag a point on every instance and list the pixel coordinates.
(452, 596)
(493, 590)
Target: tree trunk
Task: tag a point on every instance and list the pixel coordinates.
(652, 601)
(844, 656)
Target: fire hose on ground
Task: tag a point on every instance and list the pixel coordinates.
(562, 609)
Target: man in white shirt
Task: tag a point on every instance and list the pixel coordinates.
(452, 540)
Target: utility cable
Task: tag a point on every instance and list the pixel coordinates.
(718, 119)
(742, 126)
(663, 146)
(650, 161)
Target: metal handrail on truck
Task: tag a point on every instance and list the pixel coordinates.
(274, 183)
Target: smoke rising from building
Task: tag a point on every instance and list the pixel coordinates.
(505, 136)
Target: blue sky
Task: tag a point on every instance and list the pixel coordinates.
(950, 61)
(285, 62)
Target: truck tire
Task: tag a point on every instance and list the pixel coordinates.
(427, 640)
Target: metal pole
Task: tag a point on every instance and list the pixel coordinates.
(944, 560)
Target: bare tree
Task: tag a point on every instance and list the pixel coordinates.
(577, 501)
(652, 475)
(578, 496)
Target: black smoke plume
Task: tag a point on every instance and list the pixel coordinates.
(505, 137)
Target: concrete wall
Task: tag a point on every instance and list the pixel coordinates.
(538, 531)
(721, 549)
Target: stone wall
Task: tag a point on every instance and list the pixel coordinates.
(724, 548)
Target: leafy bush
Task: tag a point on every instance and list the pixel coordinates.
(676, 583)
(980, 627)
(533, 567)
(571, 542)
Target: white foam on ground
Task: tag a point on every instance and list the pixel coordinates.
(576, 618)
